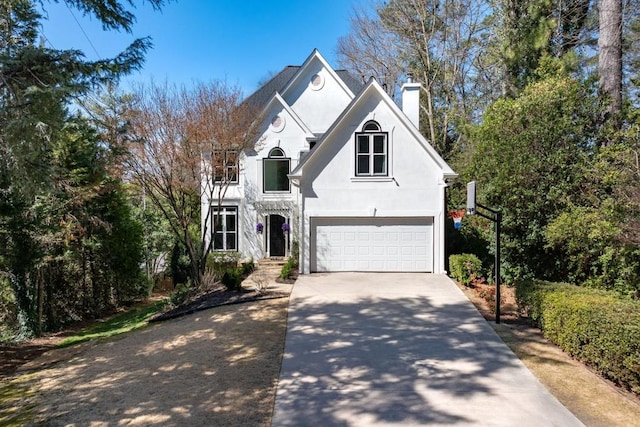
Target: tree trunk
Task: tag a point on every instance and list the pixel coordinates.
(610, 59)
(40, 287)
(194, 260)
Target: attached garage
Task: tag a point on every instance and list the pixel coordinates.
(372, 244)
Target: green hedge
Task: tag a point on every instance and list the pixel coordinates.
(464, 267)
(594, 326)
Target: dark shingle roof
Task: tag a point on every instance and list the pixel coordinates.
(277, 83)
(354, 84)
(260, 97)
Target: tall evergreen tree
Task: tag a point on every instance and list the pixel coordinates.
(53, 182)
(610, 58)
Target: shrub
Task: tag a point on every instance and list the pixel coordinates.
(594, 326)
(464, 267)
(247, 267)
(232, 279)
(224, 266)
(488, 293)
(8, 311)
(295, 250)
(288, 268)
(595, 256)
(181, 293)
(179, 264)
(234, 275)
(220, 262)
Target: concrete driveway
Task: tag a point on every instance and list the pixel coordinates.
(398, 350)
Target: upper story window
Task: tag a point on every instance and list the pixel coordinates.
(275, 171)
(372, 151)
(225, 166)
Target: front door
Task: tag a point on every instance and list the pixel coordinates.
(276, 236)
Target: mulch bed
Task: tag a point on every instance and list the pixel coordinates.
(214, 298)
(479, 295)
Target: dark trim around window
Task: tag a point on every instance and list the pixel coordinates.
(224, 228)
(275, 169)
(225, 166)
(371, 151)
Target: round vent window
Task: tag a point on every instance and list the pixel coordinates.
(277, 123)
(317, 81)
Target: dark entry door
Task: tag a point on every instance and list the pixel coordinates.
(276, 235)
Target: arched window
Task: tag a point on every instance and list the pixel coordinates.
(371, 126)
(276, 152)
(275, 171)
(371, 151)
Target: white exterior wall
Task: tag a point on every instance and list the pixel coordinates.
(319, 106)
(311, 110)
(413, 187)
(292, 139)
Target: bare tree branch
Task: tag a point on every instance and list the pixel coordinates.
(176, 136)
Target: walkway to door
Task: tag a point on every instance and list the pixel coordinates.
(393, 349)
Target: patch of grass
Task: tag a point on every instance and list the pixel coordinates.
(16, 401)
(118, 324)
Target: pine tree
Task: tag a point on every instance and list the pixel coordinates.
(53, 185)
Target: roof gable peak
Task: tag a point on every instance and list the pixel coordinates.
(373, 88)
(278, 99)
(315, 56)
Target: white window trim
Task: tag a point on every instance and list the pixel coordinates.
(372, 178)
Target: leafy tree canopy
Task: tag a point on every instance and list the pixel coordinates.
(528, 152)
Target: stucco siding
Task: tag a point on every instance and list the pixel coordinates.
(327, 198)
(318, 108)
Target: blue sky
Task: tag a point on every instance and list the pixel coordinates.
(241, 42)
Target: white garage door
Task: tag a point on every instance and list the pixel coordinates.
(372, 244)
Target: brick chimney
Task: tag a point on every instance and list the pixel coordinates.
(411, 100)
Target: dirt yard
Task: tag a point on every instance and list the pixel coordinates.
(215, 367)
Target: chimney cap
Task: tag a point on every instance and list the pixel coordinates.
(409, 77)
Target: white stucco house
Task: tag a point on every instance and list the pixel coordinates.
(341, 172)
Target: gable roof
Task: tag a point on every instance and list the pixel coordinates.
(261, 97)
(316, 56)
(350, 80)
(373, 87)
(277, 99)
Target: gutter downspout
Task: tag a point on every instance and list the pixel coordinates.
(302, 242)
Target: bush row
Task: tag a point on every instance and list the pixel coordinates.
(594, 326)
